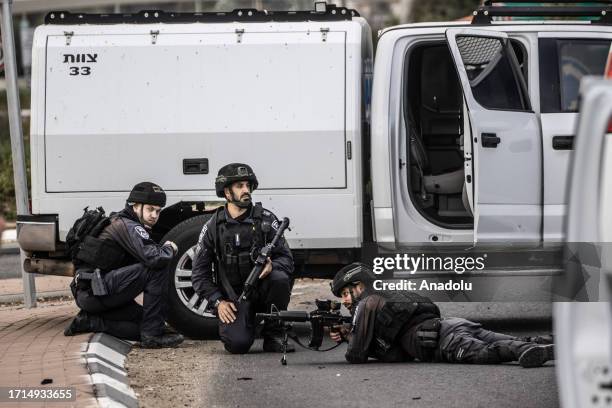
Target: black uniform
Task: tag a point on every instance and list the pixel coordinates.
(405, 326)
(143, 267)
(229, 245)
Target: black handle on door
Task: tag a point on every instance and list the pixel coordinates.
(563, 142)
(195, 166)
(490, 140)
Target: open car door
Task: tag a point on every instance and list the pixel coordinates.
(506, 149)
(583, 329)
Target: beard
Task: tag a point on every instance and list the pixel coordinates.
(243, 202)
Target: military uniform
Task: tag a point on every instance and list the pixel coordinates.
(229, 246)
(404, 326)
(123, 262)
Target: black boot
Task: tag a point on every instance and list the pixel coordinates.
(536, 356)
(273, 339)
(164, 340)
(273, 344)
(80, 324)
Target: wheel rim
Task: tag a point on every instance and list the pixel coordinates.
(184, 287)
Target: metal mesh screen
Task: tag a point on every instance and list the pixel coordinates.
(478, 50)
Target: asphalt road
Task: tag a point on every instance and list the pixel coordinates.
(201, 373)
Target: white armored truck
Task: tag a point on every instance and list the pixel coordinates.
(458, 133)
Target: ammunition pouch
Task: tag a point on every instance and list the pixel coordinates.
(240, 263)
(100, 253)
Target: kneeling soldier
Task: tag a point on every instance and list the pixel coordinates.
(229, 241)
(139, 264)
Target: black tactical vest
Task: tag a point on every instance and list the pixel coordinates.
(100, 253)
(400, 309)
(238, 242)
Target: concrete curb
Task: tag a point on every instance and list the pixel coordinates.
(105, 358)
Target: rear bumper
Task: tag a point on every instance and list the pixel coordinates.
(48, 267)
(36, 233)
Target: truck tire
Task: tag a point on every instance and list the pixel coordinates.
(185, 308)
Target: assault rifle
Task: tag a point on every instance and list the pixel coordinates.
(260, 263)
(327, 315)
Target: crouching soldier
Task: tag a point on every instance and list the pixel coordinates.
(123, 261)
(404, 326)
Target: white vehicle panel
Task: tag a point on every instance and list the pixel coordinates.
(557, 162)
(300, 158)
(187, 96)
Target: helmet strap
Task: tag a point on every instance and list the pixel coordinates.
(353, 300)
(141, 216)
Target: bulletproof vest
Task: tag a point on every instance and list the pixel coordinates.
(400, 308)
(97, 251)
(238, 244)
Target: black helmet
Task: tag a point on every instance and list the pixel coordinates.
(350, 275)
(232, 173)
(147, 193)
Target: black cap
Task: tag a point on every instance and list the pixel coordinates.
(147, 193)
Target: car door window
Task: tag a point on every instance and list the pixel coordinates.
(563, 63)
(495, 81)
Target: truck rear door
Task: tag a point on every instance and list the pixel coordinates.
(564, 58)
(506, 186)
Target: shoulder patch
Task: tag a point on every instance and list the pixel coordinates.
(275, 225)
(142, 232)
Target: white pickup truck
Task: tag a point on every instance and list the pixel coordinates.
(458, 133)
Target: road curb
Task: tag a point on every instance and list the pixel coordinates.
(105, 358)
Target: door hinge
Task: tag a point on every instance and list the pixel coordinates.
(239, 32)
(68, 35)
(349, 150)
(154, 34)
(324, 31)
